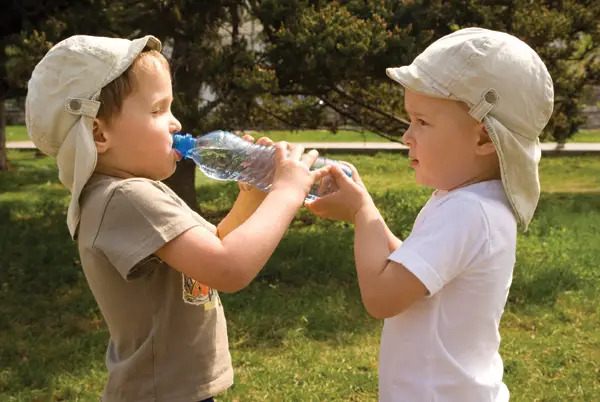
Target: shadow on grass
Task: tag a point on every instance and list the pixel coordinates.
(49, 322)
(28, 169)
(544, 287)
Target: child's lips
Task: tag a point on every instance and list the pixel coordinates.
(178, 155)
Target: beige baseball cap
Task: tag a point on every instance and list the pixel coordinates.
(62, 103)
(507, 86)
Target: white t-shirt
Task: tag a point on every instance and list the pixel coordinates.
(444, 347)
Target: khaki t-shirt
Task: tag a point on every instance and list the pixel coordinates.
(168, 337)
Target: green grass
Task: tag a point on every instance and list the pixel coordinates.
(586, 136)
(299, 331)
(323, 136)
(16, 133)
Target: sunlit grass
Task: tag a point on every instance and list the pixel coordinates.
(299, 331)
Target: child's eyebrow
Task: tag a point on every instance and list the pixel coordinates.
(166, 99)
(413, 113)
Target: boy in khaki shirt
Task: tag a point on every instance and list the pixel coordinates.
(102, 106)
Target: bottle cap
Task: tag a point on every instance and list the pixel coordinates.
(184, 143)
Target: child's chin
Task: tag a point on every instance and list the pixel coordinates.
(423, 182)
(171, 173)
(163, 175)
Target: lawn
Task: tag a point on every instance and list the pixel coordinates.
(299, 332)
(354, 136)
(16, 133)
(586, 136)
(19, 133)
(323, 136)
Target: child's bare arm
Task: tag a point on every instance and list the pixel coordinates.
(247, 201)
(231, 263)
(386, 287)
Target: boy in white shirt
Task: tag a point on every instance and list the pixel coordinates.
(477, 101)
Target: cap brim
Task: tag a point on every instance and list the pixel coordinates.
(519, 158)
(415, 79)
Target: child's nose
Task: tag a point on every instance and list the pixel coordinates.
(175, 126)
(407, 136)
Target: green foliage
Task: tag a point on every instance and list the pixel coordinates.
(338, 51)
(299, 331)
(318, 63)
(30, 28)
(566, 35)
(332, 56)
(311, 64)
(25, 53)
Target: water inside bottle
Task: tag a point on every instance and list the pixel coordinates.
(219, 163)
(254, 168)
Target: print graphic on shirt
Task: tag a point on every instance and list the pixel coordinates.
(198, 294)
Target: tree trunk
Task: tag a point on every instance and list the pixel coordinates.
(182, 182)
(3, 160)
(187, 87)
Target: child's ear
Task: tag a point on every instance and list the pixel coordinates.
(101, 139)
(485, 146)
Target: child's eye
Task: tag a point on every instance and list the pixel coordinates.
(157, 111)
(421, 122)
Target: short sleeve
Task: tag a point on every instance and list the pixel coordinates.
(445, 243)
(139, 218)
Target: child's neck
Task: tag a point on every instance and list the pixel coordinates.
(492, 174)
(108, 169)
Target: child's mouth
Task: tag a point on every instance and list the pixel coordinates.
(178, 155)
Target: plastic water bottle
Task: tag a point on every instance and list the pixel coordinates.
(223, 155)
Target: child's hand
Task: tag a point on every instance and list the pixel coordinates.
(248, 200)
(351, 196)
(248, 189)
(292, 174)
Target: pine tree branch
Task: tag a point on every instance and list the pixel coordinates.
(369, 107)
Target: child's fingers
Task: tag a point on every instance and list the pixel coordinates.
(248, 138)
(355, 175)
(266, 141)
(296, 153)
(320, 206)
(315, 206)
(340, 177)
(327, 185)
(281, 151)
(321, 172)
(314, 209)
(310, 157)
(243, 186)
